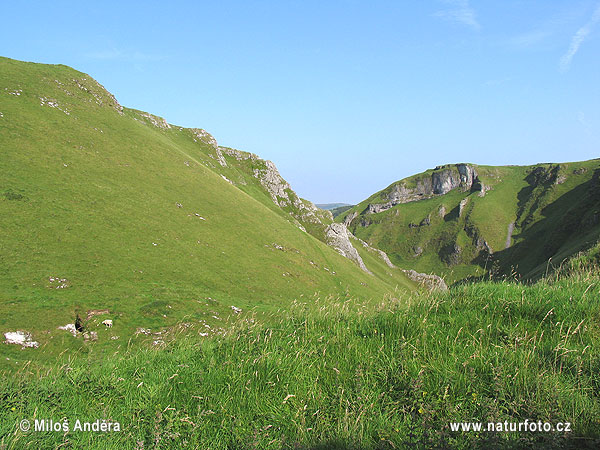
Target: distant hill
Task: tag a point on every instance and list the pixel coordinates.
(330, 206)
(466, 220)
(335, 208)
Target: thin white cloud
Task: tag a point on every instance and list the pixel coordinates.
(530, 39)
(459, 11)
(577, 40)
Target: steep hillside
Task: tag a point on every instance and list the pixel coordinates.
(466, 220)
(110, 212)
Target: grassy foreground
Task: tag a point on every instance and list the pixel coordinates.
(342, 376)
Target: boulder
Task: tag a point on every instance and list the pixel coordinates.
(430, 281)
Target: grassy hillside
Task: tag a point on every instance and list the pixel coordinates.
(110, 208)
(346, 376)
(553, 211)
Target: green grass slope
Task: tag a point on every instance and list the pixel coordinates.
(104, 207)
(345, 376)
(554, 210)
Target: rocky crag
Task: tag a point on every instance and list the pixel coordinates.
(442, 180)
(464, 220)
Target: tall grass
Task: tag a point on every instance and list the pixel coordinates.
(340, 375)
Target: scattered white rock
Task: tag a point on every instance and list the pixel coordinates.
(114, 338)
(70, 327)
(226, 179)
(155, 244)
(52, 104)
(91, 336)
(108, 323)
(158, 122)
(22, 338)
(236, 310)
(58, 282)
(205, 137)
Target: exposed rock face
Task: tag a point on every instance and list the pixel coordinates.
(338, 237)
(349, 218)
(483, 189)
(283, 195)
(158, 122)
(383, 255)
(220, 157)
(451, 254)
(461, 206)
(204, 136)
(274, 183)
(430, 281)
(442, 181)
(240, 156)
(478, 241)
(541, 175)
(98, 92)
(468, 176)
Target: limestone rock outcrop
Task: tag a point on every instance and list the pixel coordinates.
(431, 282)
(383, 255)
(440, 182)
(283, 196)
(338, 237)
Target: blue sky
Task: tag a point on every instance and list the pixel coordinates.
(344, 96)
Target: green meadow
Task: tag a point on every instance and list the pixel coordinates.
(345, 375)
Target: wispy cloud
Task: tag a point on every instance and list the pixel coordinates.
(459, 11)
(530, 38)
(578, 38)
(122, 55)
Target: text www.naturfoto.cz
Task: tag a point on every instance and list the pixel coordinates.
(528, 426)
